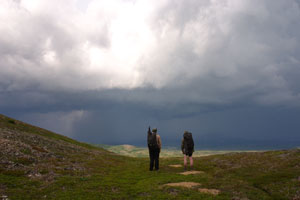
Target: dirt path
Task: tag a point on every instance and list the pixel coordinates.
(191, 172)
(192, 185)
(175, 166)
(183, 184)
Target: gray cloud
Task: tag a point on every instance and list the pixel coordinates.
(111, 66)
(247, 46)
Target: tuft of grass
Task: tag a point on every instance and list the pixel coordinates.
(23, 161)
(11, 121)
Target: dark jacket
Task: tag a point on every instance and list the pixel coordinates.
(186, 149)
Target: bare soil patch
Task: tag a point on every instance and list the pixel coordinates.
(191, 172)
(209, 191)
(176, 166)
(183, 184)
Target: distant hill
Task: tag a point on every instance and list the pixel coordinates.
(133, 151)
(39, 164)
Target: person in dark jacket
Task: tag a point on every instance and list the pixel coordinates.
(187, 147)
(154, 146)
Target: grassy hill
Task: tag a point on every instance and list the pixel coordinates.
(38, 164)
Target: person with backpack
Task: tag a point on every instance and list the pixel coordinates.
(187, 147)
(154, 146)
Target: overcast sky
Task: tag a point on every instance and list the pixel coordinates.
(102, 71)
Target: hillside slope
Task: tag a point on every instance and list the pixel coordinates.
(38, 164)
(36, 152)
(32, 156)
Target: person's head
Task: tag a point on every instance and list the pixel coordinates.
(154, 130)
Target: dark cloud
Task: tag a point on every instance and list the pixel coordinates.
(91, 118)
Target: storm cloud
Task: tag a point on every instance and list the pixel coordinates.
(103, 71)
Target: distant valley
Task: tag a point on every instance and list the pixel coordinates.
(134, 151)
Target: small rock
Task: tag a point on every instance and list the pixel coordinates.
(4, 197)
(115, 190)
(68, 168)
(144, 194)
(173, 191)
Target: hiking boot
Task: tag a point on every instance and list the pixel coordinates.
(185, 168)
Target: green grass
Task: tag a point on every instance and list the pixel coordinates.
(129, 178)
(257, 175)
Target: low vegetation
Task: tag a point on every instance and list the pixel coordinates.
(38, 164)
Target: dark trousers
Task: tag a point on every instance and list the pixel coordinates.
(154, 159)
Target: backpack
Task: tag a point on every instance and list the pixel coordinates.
(188, 142)
(152, 143)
